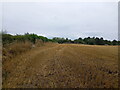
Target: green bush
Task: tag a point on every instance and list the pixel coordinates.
(7, 38)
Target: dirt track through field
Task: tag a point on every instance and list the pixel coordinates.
(64, 66)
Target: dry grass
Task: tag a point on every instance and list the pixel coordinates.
(39, 43)
(64, 66)
(11, 50)
(14, 49)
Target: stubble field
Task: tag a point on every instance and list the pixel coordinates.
(64, 66)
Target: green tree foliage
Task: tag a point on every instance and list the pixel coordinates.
(7, 38)
(88, 40)
(114, 42)
(59, 40)
(118, 42)
(99, 41)
(62, 40)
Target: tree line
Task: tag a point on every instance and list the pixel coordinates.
(8, 38)
(88, 40)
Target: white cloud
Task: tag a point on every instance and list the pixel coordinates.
(70, 20)
(59, 0)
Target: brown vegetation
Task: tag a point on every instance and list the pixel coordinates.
(15, 48)
(63, 66)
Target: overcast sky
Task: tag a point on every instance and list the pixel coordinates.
(63, 19)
